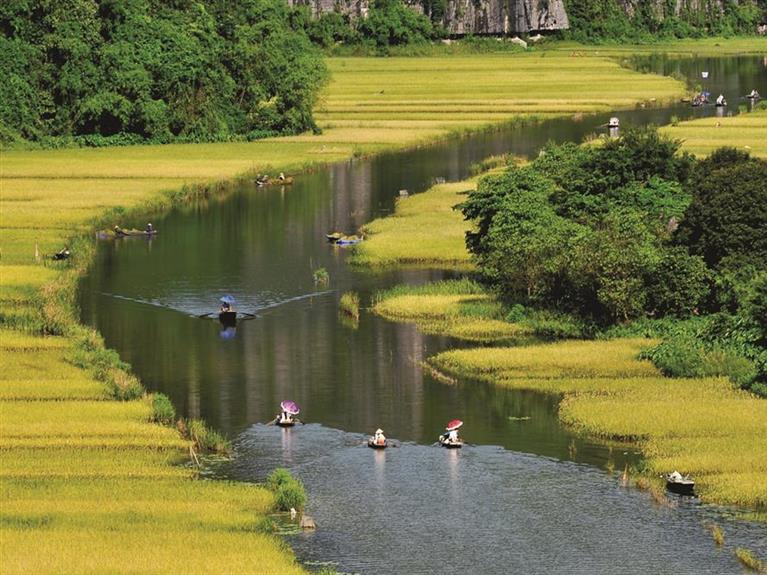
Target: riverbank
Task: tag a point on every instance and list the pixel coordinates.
(747, 132)
(90, 446)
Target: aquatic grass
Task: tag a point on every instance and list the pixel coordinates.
(289, 492)
(717, 534)
(749, 560)
(349, 304)
(205, 438)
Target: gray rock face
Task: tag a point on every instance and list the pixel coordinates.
(461, 17)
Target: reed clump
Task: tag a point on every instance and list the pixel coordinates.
(749, 560)
(289, 492)
(717, 534)
(350, 304)
(204, 438)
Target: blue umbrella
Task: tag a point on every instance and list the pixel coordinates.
(227, 299)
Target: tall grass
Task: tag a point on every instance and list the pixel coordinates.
(350, 304)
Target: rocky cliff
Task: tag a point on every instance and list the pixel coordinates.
(469, 16)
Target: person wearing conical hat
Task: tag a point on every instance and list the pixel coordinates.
(379, 438)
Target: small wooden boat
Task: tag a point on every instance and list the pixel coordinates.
(679, 484)
(266, 181)
(348, 240)
(121, 233)
(373, 445)
(281, 423)
(333, 237)
(228, 318)
(445, 442)
(614, 123)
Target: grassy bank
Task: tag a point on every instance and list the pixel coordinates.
(424, 231)
(700, 426)
(85, 478)
(715, 46)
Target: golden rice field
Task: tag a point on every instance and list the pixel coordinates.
(444, 314)
(455, 92)
(84, 478)
(424, 231)
(705, 427)
(747, 132)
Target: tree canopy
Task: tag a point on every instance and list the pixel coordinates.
(155, 70)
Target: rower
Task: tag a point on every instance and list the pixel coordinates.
(720, 100)
(754, 94)
(285, 417)
(149, 228)
(225, 307)
(379, 438)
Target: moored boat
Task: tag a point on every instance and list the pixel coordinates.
(680, 484)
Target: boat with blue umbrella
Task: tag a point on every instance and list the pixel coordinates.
(226, 314)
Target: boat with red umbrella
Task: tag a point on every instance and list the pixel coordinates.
(287, 416)
(450, 438)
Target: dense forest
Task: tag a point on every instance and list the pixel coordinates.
(119, 71)
(594, 20)
(636, 235)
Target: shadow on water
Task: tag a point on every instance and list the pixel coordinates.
(262, 245)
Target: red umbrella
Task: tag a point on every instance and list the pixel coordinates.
(455, 424)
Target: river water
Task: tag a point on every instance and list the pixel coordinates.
(527, 495)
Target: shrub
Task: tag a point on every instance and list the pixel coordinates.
(163, 411)
(205, 439)
(288, 491)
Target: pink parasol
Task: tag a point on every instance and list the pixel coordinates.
(453, 425)
(290, 407)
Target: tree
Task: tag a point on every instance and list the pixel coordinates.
(728, 213)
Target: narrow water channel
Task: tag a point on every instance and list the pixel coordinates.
(528, 495)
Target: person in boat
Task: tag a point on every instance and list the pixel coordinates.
(379, 438)
(225, 307)
(284, 417)
(149, 228)
(754, 95)
(720, 101)
(282, 176)
(118, 231)
(451, 436)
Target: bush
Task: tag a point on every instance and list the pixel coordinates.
(288, 491)
(205, 439)
(163, 411)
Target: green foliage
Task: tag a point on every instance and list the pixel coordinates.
(153, 70)
(589, 231)
(592, 20)
(321, 277)
(288, 491)
(728, 213)
(392, 23)
(163, 411)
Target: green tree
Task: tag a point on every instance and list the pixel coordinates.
(728, 213)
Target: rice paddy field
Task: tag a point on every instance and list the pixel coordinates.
(435, 232)
(705, 427)
(746, 132)
(84, 478)
(459, 309)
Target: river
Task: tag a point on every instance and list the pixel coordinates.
(527, 495)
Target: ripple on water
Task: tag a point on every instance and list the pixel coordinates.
(423, 509)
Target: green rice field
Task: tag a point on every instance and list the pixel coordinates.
(747, 132)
